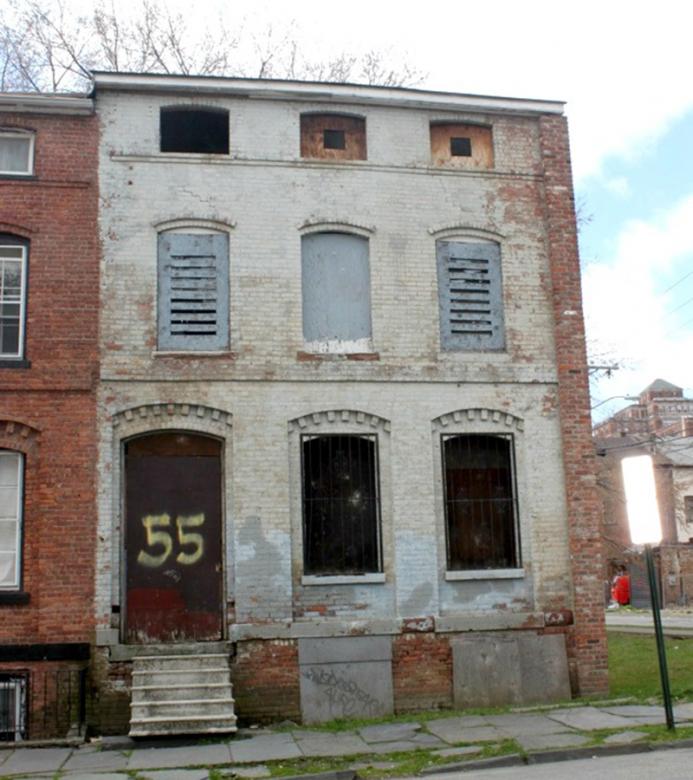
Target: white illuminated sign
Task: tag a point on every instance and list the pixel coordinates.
(641, 500)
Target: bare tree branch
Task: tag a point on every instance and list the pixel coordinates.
(44, 46)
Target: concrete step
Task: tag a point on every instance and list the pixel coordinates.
(153, 727)
(184, 692)
(183, 662)
(188, 708)
(164, 679)
(150, 693)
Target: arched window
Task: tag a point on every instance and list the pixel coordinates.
(11, 503)
(194, 130)
(335, 275)
(193, 297)
(13, 273)
(480, 502)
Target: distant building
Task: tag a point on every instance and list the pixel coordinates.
(661, 409)
(661, 425)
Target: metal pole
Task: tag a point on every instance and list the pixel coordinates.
(659, 635)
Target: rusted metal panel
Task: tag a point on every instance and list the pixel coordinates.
(449, 145)
(173, 539)
(333, 136)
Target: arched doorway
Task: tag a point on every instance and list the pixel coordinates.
(173, 538)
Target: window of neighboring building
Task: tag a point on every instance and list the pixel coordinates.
(193, 291)
(336, 291)
(470, 296)
(341, 505)
(688, 508)
(480, 503)
(12, 707)
(16, 153)
(10, 518)
(333, 136)
(461, 145)
(13, 269)
(194, 130)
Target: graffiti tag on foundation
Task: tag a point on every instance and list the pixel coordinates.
(345, 696)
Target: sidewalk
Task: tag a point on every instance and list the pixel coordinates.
(385, 747)
(674, 622)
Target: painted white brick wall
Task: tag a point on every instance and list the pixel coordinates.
(267, 193)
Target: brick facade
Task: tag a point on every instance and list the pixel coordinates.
(267, 393)
(589, 634)
(47, 407)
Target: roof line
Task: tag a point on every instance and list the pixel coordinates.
(278, 89)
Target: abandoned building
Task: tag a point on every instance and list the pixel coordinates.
(660, 424)
(49, 293)
(344, 451)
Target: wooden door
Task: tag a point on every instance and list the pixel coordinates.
(173, 538)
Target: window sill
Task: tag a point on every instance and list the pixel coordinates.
(305, 357)
(13, 597)
(18, 363)
(19, 176)
(193, 354)
(344, 579)
(485, 574)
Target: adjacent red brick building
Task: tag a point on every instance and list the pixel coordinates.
(49, 297)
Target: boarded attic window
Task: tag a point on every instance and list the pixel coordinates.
(459, 145)
(195, 130)
(333, 137)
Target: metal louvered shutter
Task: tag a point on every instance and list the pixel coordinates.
(470, 295)
(193, 291)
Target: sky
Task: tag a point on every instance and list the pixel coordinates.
(624, 70)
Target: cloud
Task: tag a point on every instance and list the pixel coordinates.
(629, 313)
(618, 185)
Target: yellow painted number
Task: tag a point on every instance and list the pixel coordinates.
(164, 539)
(154, 538)
(193, 521)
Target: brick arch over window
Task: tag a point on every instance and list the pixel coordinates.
(160, 416)
(17, 435)
(20, 231)
(339, 417)
(503, 420)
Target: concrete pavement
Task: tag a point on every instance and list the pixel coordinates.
(677, 623)
(249, 754)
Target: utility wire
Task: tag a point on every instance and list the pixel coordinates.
(678, 282)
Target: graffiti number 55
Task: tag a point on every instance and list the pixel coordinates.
(163, 539)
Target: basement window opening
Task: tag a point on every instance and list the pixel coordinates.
(461, 147)
(13, 707)
(334, 139)
(195, 130)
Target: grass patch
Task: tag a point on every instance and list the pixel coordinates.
(634, 669)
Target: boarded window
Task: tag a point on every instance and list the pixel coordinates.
(333, 136)
(193, 291)
(470, 296)
(480, 504)
(195, 130)
(10, 519)
(16, 153)
(335, 278)
(341, 508)
(461, 145)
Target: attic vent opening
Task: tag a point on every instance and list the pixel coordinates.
(195, 130)
(333, 139)
(461, 147)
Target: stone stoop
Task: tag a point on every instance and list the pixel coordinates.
(182, 693)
